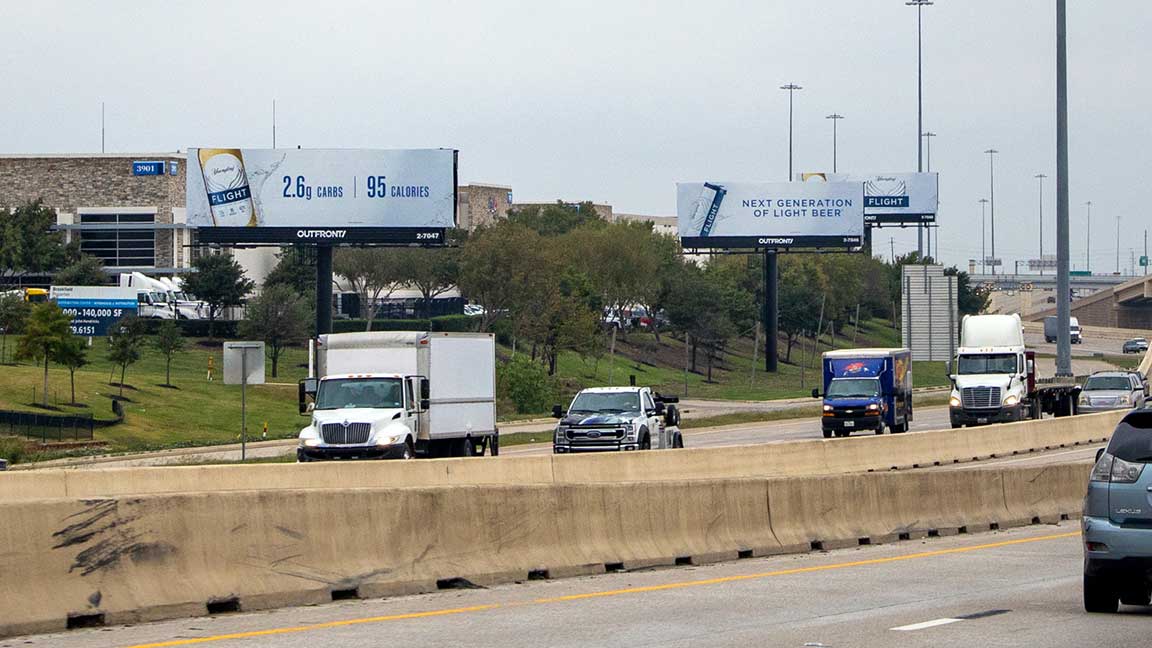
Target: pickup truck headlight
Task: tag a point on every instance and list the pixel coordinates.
(1084, 400)
(1011, 399)
(630, 433)
(561, 435)
(873, 407)
(827, 408)
(389, 439)
(310, 442)
(954, 400)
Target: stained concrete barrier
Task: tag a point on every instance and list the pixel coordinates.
(127, 559)
(813, 457)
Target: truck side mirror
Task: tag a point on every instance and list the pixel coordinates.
(948, 367)
(306, 388)
(557, 412)
(660, 408)
(425, 404)
(815, 392)
(425, 391)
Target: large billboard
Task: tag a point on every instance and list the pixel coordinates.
(780, 215)
(891, 198)
(321, 195)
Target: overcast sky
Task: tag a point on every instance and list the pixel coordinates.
(616, 101)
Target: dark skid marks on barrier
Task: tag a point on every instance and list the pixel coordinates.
(102, 523)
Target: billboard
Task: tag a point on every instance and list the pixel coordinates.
(94, 308)
(321, 195)
(891, 198)
(770, 215)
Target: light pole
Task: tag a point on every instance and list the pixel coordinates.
(992, 200)
(771, 276)
(835, 118)
(1117, 243)
(928, 167)
(1040, 177)
(983, 227)
(1063, 293)
(1088, 240)
(791, 88)
(919, 4)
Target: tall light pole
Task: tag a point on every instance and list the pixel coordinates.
(1040, 177)
(1063, 293)
(791, 88)
(983, 227)
(928, 167)
(1117, 243)
(919, 4)
(771, 274)
(835, 118)
(1088, 240)
(992, 200)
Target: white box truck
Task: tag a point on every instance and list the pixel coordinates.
(398, 395)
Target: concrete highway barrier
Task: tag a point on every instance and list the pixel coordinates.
(75, 562)
(814, 457)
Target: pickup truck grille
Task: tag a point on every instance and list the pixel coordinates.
(980, 397)
(339, 434)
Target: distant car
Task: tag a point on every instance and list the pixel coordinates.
(1111, 390)
(1117, 535)
(1136, 345)
(473, 310)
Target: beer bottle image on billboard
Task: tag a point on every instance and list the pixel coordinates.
(226, 180)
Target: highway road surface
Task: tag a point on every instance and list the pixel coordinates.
(1019, 587)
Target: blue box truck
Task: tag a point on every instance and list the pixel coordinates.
(866, 389)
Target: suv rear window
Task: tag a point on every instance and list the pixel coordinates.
(1132, 440)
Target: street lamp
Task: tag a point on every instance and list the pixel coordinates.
(983, 226)
(1040, 177)
(992, 200)
(1117, 243)
(835, 118)
(1088, 243)
(791, 88)
(919, 4)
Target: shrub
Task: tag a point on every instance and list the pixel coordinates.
(13, 449)
(526, 384)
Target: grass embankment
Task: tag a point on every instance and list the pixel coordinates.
(195, 412)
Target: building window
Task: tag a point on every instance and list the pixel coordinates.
(121, 245)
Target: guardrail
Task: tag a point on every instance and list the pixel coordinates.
(797, 458)
(92, 561)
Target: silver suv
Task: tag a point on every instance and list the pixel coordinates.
(1117, 524)
(1110, 390)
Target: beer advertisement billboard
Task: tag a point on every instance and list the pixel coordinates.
(321, 195)
(767, 215)
(891, 198)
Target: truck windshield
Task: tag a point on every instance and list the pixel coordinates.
(341, 393)
(992, 363)
(1121, 383)
(853, 388)
(606, 402)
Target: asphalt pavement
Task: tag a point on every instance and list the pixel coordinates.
(1019, 587)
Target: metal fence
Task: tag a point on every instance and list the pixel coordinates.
(46, 427)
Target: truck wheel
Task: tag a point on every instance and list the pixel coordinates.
(956, 426)
(827, 434)
(880, 430)
(1099, 595)
(678, 441)
(645, 440)
(408, 451)
(494, 444)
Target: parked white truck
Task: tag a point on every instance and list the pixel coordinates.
(994, 376)
(162, 298)
(617, 418)
(398, 395)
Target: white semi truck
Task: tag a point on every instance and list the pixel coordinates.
(994, 376)
(399, 395)
(162, 298)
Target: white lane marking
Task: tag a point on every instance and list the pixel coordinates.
(926, 624)
(1087, 450)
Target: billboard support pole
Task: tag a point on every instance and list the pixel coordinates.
(771, 310)
(1063, 293)
(323, 289)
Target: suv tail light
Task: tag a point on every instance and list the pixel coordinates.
(1112, 469)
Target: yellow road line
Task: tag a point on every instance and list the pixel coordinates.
(618, 592)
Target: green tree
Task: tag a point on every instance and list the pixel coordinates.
(30, 242)
(700, 309)
(279, 317)
(219, 281)
(72, 354)
(45, 331)
(526, 384)
(13, 313)
(125, 339)
(295, 268)
(85, 271)
(800, 290)
(168, 341)
(372, 273)
(970, 300)
(556, 219)
(619, 261)
(498, 269)
(432, 271)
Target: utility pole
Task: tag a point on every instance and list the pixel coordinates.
(835, 118)
(992, 201)
(1063, 296)
(1040, 177)
(101, 126)
(919, 4)
(1117, 243)
(1088, 243)
(983, 227)
(892, 249)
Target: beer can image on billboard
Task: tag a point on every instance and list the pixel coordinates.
(226, 182)
(706, 207)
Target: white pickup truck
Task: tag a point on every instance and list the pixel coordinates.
(617, 418)
(398, 395)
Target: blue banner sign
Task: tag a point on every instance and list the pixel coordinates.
(148, 168)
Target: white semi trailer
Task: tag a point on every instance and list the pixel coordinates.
(399, 395)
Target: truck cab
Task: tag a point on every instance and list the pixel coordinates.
(993, 375)
(617, 418)
(363, 416)
(866, 390)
